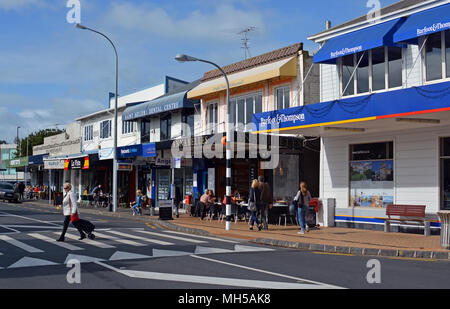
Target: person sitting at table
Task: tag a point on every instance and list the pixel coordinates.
(212, 205)
(86, 191)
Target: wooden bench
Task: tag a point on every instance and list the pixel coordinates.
(408, 214)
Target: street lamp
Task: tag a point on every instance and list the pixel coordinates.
(186, 58)
(115, 117)
(18, 143)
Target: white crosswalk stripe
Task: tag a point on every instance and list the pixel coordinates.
(122, 241)
(20, 244)
(173, 237)
(203, 237)
(54, 242)
(88, 241)
(159, 242)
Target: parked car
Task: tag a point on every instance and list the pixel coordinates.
(7, 192)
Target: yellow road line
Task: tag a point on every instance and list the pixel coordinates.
(333, 253)
(411, 259)
(149, 225)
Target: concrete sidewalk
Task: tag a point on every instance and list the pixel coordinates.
(332, 239)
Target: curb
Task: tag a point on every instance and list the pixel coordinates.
(431, 255)
(358, 251)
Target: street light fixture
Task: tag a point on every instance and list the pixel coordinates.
(186, 58)
(115, 116)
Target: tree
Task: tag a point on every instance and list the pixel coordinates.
(35, 139)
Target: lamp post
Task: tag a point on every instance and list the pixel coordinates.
(186, 58)
(18, 143)
(115, 117)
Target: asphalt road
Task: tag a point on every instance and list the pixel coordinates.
(127, 254)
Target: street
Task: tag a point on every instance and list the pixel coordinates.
(129, 254)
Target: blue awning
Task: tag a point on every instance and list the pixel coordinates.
(358, 41)
(157, 106)
(423, 23)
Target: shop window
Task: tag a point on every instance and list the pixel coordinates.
(394, 55)
(433, 57)
(371, 175)
(105, 129)
(445, 173)
(165, 128)
(145, 131)
(88, 133)
(282, 97)
(348, 66)
(362, 72)
(188, 120)
(242, 110)
(378, 69)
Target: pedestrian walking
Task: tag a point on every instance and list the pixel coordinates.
(254, 204)
(21, 190)
(266, 201)
(177, 200)
(204, 203)
(302, 199)
(70, 210)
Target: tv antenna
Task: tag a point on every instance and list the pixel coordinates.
(245, 41)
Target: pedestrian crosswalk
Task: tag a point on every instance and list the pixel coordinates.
(40, 248)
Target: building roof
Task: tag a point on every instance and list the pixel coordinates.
(263, 59)
(397, 6)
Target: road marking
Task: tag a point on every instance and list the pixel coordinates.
(241, 248)
(82, 258)
(89, 241)
(173, 237)
(168, 253)
(122, 241)
(54, 242)
(159, 242)
(1, 253)
(20, 244)
(411, 259)
(204, 237)
(31, 219)
(31, 262)
(244, 283)
(150, 225)
(333, 253)
(209, 250)
(267, 272)
(119, 256)
(14, 231)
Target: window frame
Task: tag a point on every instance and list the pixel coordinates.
(443, 62)
(102, 128)
(212, 126)
(275, 94)
(234, 101)
(88, 133)
(128, 127)
(355, 75)
(168, 119)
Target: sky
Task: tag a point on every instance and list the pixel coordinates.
(51, 72)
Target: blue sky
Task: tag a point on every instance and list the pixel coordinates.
(51, 72)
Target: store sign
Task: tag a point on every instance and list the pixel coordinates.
(163, 162)
(106, 154)
(177, 162)
(129, 151)
(124, 167)
(36, 160)
(57, 164)
(149, 150)
(77, 164)
(19, 162)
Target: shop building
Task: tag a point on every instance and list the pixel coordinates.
(10, 171)
(268, 82)
(383, 115)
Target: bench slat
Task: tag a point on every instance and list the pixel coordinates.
(406, 210)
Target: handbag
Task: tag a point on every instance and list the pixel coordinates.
(252, 204)
(73, 217)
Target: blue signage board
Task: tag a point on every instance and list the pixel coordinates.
(149, 150)
(129, 151)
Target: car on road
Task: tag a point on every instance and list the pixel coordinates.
(7, 192)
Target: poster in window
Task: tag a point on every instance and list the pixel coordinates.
(371, 183)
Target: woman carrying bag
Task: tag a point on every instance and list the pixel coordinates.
(302, 199)
(70, 209)
(254, 203)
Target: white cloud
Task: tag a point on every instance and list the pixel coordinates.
(204, 26)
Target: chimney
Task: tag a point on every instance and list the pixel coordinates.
(328, 24)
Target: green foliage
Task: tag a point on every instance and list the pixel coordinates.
(35, 139)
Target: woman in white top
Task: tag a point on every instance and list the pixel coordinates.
(69, 208)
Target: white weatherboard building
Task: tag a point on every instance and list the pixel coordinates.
(384, 113)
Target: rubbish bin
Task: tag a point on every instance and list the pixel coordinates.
(165, 210)
(445, 228)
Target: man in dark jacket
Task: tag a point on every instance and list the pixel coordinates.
(266, 201)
